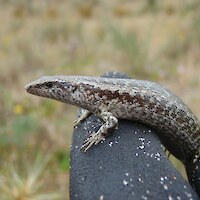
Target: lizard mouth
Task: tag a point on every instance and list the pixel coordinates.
(31, 87)
(27, 87)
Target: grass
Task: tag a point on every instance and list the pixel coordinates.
(17, 185)
(146, 39)
(134, 53)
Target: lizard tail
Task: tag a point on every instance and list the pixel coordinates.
(193, 172)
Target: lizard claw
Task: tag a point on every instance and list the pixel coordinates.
(76, 122)
(94, 139)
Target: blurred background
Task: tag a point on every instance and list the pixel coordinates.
(147, 39)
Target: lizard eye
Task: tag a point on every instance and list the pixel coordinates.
(49, 85)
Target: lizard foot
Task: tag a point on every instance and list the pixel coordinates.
(94, 139)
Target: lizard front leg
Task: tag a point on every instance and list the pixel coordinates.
(110, 123)
(84, 114)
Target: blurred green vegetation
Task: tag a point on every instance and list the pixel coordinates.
(157, 40)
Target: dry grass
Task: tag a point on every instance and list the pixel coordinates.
(16, 185)
(147, 39)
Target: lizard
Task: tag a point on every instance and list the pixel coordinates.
(137, 100)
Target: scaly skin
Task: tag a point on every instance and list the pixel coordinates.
(137, 100)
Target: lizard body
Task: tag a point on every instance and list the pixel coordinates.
(137, 100)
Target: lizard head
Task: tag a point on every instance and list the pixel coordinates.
(61, 88)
